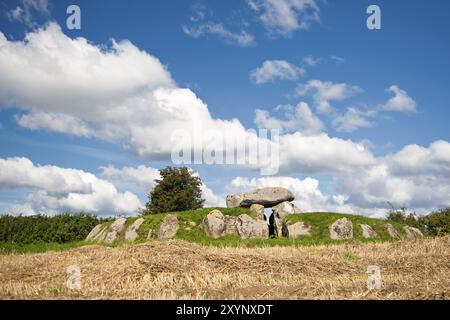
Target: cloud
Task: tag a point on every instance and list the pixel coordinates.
(124, 95)
(414, 159)
(272, 70)
(337, 59)
(299, 118)
(117, 94)
(352, 120)
(321, 154)
(143, 178)
(24, 11)
(243, 38)
(308, 196)
(55, 189)
(325, 91)
(400, 102)
(311, 61)
(61, 123)
(416, 177)
(283, 17)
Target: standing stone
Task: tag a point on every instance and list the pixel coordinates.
(258, 210)
(100, 237)
(341, 229)
(391, 230)
(283, 209)
(131, 233)
(275, 226)
(266, 197)
(230, 225)
(368, 232)
(250, 228)
(214, 224)
(412, 233)
(295, 230)
(150, 234)
(169, 227)
(115, 229)
(94, 232)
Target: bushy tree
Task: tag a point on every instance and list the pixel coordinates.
(178, 190)
(437, 222)
(402, 216)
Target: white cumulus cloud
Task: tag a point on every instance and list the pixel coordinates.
(299, 118)
(400, 102)
(272, 70)
(55, 189)
(242, 38)
(283, 17)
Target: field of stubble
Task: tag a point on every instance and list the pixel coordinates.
(180, 270)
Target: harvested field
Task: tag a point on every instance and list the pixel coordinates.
(177, 269)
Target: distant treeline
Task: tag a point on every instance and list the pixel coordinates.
(58, 229)
(437, 223)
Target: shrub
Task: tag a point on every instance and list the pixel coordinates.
(59, 228)
(437, 222)
(178, 190)
(402, 216)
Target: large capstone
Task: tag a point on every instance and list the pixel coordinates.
(267, 197)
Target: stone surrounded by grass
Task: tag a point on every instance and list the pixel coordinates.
(214, 224)
(367, 231)
(295, 230)
(283, 209)
(230, 225)
(412, 233)
(150, 234)
(248, 227)
(275, 226)
(169, 227)
(101, 235)
(267, 197)
(258, 210)
(341, 229)
(114, 230)
(391, 231)
(94, 232)
(131, 233)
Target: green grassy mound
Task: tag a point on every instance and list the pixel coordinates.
(319, 222)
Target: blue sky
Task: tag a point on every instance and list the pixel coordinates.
(386, 93)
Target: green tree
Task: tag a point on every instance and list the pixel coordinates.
(178, 190)
(437, 222)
